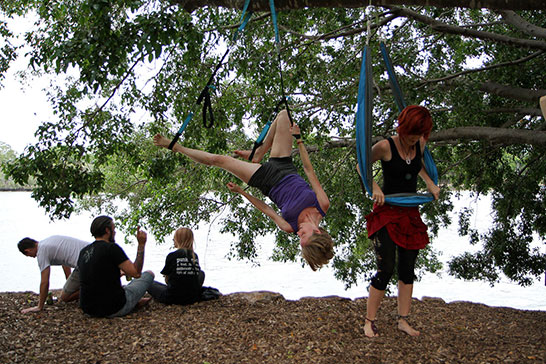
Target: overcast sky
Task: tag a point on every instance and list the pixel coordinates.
(23, 106)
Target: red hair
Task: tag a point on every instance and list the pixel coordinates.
(415, 120)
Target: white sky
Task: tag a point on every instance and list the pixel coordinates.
(23, 106)
(22, 112)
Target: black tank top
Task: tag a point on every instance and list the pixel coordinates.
(398, 176)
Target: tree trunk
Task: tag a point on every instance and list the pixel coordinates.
(263, 5)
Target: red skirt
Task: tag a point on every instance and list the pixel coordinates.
(403, 224)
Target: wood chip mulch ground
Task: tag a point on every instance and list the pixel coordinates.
(269, 329)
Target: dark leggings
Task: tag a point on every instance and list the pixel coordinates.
(385, 252)
(159, 290)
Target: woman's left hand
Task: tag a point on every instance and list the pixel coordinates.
(435, 190)
(295, 129)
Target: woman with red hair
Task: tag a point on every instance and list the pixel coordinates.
(395, 229)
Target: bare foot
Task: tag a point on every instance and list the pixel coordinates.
(242, 154)
(370, 330)
(404, 326)
(161, 141)
(143, 302)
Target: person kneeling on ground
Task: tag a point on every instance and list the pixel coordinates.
(182, 273)
(55, 250)
(101, 293)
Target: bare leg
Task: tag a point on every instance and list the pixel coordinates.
(404, 305)
(281, 141)
(241, 169)
(65, 297)
(374, 300)
(278, 140)
(143, 302)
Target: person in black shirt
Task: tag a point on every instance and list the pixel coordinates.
(398, 230)
(99, 263)
(182, 273)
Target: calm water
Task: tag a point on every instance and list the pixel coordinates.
(20, 217)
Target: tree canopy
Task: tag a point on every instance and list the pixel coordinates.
(128, 69)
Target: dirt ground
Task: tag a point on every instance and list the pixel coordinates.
(262, 327)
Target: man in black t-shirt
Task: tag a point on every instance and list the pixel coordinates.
(184, 279)
(101, 292)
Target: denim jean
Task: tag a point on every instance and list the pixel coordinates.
(134, 291)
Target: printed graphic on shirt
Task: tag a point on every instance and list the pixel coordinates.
(184, 266)
(87, 254)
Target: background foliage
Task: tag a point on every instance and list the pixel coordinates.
(132, 68)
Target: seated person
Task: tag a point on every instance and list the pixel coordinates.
(100, 263)
(182, 273)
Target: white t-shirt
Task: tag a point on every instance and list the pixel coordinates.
(59, 250)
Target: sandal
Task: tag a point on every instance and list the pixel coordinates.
(374, 328)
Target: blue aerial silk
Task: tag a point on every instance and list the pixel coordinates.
(364, 133)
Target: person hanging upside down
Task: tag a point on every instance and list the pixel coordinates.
(394, 229)
(302, 206)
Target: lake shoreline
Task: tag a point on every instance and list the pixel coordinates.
(18, 189)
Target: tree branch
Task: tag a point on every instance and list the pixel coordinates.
(514, 19)
(530, 111)
(471, 33)
(516, 93)
(343, 32)
(498, 136)
(512, 92)
(263, 5)
(503, 64)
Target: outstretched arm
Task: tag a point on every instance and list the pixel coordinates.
(322, 198)
(263, 207)
(44, 288)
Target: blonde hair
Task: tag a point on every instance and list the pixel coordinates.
(318, 250)
(183, 239)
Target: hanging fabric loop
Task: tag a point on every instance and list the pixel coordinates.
(364, 122)
(260, 140)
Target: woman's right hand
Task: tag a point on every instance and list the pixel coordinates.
(378, 196)
(233, 187)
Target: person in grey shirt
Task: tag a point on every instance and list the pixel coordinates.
(55, 250)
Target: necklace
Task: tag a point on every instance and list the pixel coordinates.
(407, 158)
